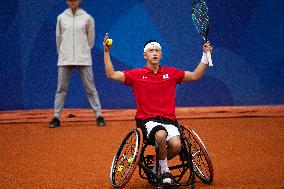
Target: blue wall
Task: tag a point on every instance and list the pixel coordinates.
(247, 36)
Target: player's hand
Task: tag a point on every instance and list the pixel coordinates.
(106, 48)
(207, 47)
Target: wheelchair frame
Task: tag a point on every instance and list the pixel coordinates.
(194, 161)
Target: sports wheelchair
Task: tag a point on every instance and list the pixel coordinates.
(135, 150)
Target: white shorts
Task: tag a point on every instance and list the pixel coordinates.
(171, 129)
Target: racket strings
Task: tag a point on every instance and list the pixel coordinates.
(200, 16)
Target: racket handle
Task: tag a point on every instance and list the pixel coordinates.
(209, 58)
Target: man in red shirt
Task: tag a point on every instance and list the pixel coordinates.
(154, 89)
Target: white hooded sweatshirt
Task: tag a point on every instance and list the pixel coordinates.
(75, 36)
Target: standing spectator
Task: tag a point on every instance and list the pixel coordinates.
(75, 36)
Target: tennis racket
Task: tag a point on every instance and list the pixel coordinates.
(201, 21)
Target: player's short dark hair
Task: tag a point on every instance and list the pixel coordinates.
(150, 41)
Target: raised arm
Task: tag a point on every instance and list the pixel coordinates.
(201, 68)
(110, 72)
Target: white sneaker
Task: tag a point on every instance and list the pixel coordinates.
(167, 175)
(167, 178)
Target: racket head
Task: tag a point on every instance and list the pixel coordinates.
(200, 18)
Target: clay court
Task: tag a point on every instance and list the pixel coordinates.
(245, 145)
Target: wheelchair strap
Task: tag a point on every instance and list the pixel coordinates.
(159, 119)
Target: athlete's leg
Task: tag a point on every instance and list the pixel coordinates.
(160, 137)
(174, 147)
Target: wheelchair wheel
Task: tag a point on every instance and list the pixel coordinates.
(201, 161)
(126, 158)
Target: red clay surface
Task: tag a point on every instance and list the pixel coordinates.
(246, 152)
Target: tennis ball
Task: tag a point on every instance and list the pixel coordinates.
(109, 42)
(120, 168)
(130, 160)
